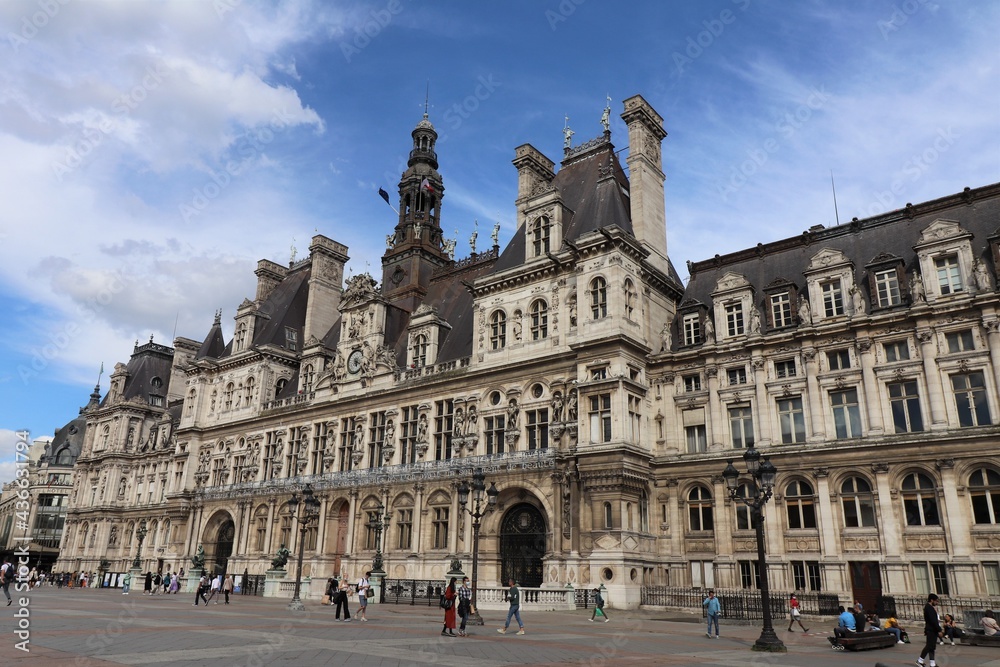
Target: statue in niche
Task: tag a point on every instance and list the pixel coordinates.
(571, 415)
(709, 330)
(471, 421)
(557, 407)
(122, 487)
(857, 300)
(805, 311)
(390, 431)
(981, 276)
(917, 288)
(459, 421)
(666, 338)
(572, 309)
(754, 320)
(513, 412)
(422, 428)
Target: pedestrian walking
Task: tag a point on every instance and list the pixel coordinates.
(6, 575)
(175, 583)
(227, 587)
(448, 604)
(126, 583)
(363, 587)
(166, 582)
(599, 606)
(932, 630)
(795, 614)
(216, 588)
(343, 599)
(514, 598)
(200, 591)
(464, 605)
(147, 587)
(157, 582)
(712, 610)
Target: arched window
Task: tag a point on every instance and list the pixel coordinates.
(248, 388)
(64, 457)
(743, 518)
(227, 396)
(191, 397)
(700, 509)
(539, 312)
(540, 236)
(608, 517)
(630, 298)
(84, 529)
(799, 503)
(240, 340)
(286, 529)
(279, 386)
(105, 437)
(419, 351)
(498, 330)
(307, 378)
(920, 500)
(260, 523)
(984, 489)
(599, 298)
(858, 502)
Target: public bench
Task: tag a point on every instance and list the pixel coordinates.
(863, 641)
(979, 638)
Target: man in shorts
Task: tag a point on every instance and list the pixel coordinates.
(363, 586)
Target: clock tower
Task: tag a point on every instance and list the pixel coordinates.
(416, 246)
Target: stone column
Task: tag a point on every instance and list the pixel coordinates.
(321, 528)
(935, 389)
(723, 518)
(829, 545)
(955, 513)
(815, 399)
(351, 520)
(763, 425)
(873, 407)
(890, 531)
(992, 325)
(418, 517)
(271, 508)
(715, 419)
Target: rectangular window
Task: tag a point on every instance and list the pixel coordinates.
(692, 329)
(922, 578)
(634, 417)
(784, 369)
(697, 441)
(887, 288)
(846, 413)
(373, 518)
(440, 524)
(291, 339)
(948, 274)
(443, 424)
(960, 341)
(799, 574)
(376, 436)
(905, 405)
(600, 418)
(600, 373)
(833, 299)
(408, 427)
(405, 528)
(734, 319)
(702, 574)
(781, 310)
(792, 419)
(741, 426)
(806, 574)
(737, 376)
(939, 571)
(970, 398)
(692, 383)
(838, 360)
(494, 434)
(991, 571)
(896, 351)
(538, 429)
(346, 444)
(749, 574)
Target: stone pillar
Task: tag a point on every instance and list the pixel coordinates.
(815, 401)
(873, 407)
(351, 520)
(271, 508)
(955, 515)
(935, 389)
(763, 424)
(723, 509)
(829, 545)
(321, 528)
(715, 419)
(890, 531)
(418, 518)
(992, 326)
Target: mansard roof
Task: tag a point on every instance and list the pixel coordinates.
(148, 372)
(284, 307)
(67, 441)
(893, 233)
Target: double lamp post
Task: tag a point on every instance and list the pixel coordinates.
(478, 511)
(309, 510)
(763, 475)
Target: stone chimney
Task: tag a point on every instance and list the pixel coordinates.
(268, 275)
(325, 286)
(645, 163)
(533, 169)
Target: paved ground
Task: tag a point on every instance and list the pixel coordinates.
(92, 628)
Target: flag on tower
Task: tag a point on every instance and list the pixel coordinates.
(426, 185)
(384, 195)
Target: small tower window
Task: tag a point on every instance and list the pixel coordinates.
(498, 330)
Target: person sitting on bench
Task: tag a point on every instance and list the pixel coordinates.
(845, 624)
(989, 623)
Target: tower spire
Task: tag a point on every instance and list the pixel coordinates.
(427, 97)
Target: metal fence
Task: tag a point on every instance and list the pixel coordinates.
(412, 591)
(739, 604)
(252, 584)
(965, 610)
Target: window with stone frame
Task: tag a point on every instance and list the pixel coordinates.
(744, 519)
(984, 491)
(691, 327)
(346, 446)
(700, 509)
(970, 399)
(630, 296)
(897, 350)
(408, 424)
(960, 341)
(376, 438)
(600, 418)
(440, 527)
(541, 233)
(734, 320)
(608, 515)
(598, 298)
(418, 352)
(291, 339)
(750, 574)
(260, 521)
(833, 298)
(227, 396)
(904, 402)
(240, 338)
(537, 428)
(949, 275)
(444, 424)
(736, 376)
(887, 281)
(800, 505)
(285, 526)
(697, 438)
(498, 330)
(404, 529)
(692, 383)
(846, 413)
(858, 503)
(838, 360)
(806, 575)
(780, 310)
(784, 368)
(792, 420)
(371, 518)
(539, 314)
(634, 417)
(741, 426)
(494, 429)
(920, 505)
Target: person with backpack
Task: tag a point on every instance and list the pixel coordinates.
(200, 591)
(448, 604)
(599, 606)
(464, 605)
(514, 598)
(363, 586)
(6, 576)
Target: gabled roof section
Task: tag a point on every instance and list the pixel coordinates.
(284, 307)
(214, 345)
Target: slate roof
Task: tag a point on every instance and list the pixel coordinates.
(68, 439)
(895, 233)
(285, 307)
(214, 344)
(149, 363)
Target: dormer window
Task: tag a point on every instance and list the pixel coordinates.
(291, 339)
(949, 274)
(887, 288)
(734, 319)
(419, 351)
(239, 341)
(691, 324)
(540, 235)
(781, 310)
(498, 330)
(833, 298)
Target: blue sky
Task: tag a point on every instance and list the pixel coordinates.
(118, 122)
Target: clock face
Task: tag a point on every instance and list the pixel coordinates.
(354, 361)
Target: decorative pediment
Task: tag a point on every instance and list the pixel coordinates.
(731, 281)
(403, 500)
(690, 304)
(439, 498)
(942, 230)
(884, 258)
(360, 289)
(780, 284)
(371, 503)
(826, 259)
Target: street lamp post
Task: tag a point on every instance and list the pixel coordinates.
(141, 534)
(763, 474)
(309, 511)
(477, 512)
(379, 523)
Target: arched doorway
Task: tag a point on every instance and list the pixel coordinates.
(522, 545)
(224, 546)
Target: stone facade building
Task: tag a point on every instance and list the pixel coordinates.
(600, 394)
